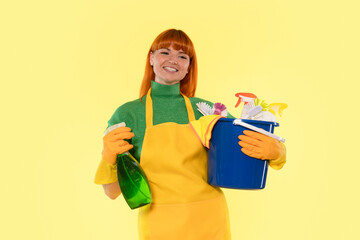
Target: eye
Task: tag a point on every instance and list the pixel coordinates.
(165, 53)
(183, 57)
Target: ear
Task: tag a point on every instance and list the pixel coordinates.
(151, 57)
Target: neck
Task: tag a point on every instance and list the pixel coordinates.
(158, 89)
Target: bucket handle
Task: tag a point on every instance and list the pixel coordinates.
(256, 129)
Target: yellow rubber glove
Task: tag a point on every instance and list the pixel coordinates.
(106, 173)
(115, 144)
(263, 147)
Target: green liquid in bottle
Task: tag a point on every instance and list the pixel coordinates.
(132, 180)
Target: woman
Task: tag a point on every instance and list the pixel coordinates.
(184, 205)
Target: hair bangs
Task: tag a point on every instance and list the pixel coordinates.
(176, 39)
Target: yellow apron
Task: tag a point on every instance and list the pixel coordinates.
(184, 206)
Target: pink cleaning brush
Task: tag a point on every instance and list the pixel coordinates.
(220, 109)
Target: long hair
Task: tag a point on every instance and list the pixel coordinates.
(178, 40)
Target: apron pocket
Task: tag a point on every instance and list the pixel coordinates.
(201, 220)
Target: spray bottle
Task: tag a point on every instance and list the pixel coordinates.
(131, 177)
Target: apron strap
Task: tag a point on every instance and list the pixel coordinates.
(190, 110)
(149, 109)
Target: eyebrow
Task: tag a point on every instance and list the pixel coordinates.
(181, 51)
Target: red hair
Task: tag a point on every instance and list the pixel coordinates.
(178, 40)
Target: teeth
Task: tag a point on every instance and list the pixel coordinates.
(170, 69)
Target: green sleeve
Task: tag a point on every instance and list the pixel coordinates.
(133, 114)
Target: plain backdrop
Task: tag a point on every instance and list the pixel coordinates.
(65, 66)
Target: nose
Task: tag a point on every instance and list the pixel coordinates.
(172, 60)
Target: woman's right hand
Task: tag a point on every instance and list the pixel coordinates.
(115, 144)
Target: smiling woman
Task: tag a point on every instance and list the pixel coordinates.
(170, 153)
(159, 136)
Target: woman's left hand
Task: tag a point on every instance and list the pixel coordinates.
(260, 146)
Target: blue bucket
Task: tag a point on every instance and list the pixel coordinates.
(228, 166)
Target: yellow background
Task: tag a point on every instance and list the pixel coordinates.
(67, 65)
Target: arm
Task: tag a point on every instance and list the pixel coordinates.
(112, 190)
(278, 163)
(106, 174)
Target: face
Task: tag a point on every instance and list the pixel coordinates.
(170, 66)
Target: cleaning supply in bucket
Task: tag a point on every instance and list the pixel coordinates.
(205, 108)
(220, 109)
(245, 98)
(257, 109)
(277, 108)
(216, 109)
(252, 112)
(131, 177)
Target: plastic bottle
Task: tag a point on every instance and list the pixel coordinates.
(132, 180)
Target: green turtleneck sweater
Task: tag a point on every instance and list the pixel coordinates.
(168, 106)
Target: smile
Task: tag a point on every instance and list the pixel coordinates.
(171, 69)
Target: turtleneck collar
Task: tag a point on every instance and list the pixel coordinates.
(158, 89)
